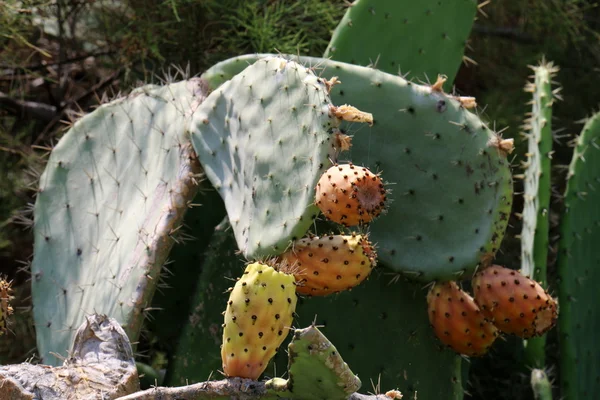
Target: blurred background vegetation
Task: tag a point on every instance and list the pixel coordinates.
(61, 58)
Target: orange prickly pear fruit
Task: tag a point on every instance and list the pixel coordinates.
(457, 321)
(258, 317)
(330, 264)
(515, 303)
(350, 195)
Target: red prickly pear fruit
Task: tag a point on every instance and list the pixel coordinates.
(515, 303)
(258, 318)
(350, 195)
(457, 321)
(330, 264)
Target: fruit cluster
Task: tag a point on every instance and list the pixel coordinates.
(504, 301)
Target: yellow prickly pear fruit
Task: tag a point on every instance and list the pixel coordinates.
(258, 318)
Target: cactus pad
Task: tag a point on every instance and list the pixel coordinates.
(424, 38)
(578, 269)
(537, 184)
(316, 369)
(115, 188)
(451, 181)
(264, 139)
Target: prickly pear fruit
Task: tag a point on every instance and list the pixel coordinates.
(258, 318)
(515, 303)
(330, 264)
(5, 308)
(350, 195)
(457, 321)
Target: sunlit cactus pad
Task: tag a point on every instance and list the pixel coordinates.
(263, 138)
(114, 191)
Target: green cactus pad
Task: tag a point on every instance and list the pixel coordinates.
(578, 269)
(537, 191)
(316, 369)
(115, 188)
(263, 139)
(450, 180)
(423, 38)
(537, 183)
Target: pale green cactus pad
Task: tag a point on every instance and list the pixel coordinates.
(115, 189)
(264, 139)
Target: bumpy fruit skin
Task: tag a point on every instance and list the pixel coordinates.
(258, 318)
(350, 195)
(515, 303)
(5, 308)
(457, 321)
(330, 264)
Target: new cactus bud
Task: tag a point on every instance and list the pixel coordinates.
(515, 303)
(457, 321)
(258, 317)
(5, 308)
(330, 264)
(350, 195)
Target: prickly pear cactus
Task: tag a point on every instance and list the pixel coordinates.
(578, 271)
(537, 190)
(452, 184)
(114, 191)
(264, 139)
(316, 369)
(404, 338)
(537, 182)
(391, 36)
